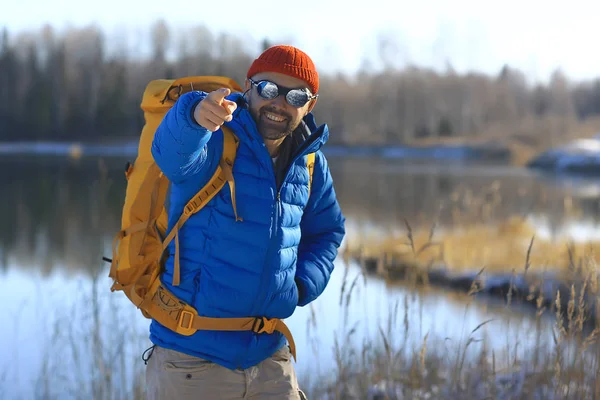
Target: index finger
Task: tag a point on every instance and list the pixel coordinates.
(218, 95)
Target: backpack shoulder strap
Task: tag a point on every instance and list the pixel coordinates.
(310, 164)
(223, 174)
(230, 144)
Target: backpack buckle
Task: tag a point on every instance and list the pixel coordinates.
(265, 325)
(185, 322)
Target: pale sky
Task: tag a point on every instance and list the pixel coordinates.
(533, 35)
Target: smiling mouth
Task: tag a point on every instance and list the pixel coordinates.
(273, 117)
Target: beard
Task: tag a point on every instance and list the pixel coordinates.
(273, 130)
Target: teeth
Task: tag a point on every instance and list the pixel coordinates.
(274, 117)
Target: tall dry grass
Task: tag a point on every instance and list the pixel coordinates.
(380, 368)
(474, 242)
(95, 351)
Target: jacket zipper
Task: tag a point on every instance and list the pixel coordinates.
(265, 273)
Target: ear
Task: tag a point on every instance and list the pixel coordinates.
(311, 105)
(247, 85)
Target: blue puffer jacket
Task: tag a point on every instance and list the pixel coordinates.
(279, 257)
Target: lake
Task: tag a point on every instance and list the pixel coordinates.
(66, 336)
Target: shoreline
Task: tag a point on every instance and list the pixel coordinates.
(537, 291)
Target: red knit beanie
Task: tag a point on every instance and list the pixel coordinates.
(287, 60)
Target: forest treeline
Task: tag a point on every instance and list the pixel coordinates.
(70, 86)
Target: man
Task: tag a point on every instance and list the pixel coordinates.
(275, 252)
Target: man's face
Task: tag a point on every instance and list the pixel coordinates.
(276, 118)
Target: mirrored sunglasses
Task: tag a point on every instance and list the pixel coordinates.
(295, 97)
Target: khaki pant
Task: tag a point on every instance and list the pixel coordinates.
(174, 375)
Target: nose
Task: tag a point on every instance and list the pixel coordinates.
(280, 102)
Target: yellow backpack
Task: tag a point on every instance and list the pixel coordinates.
(139, 247)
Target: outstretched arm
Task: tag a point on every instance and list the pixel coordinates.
(322, 233)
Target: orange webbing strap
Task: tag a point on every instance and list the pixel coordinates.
(178, 316)
(223, 174)
(310, 164)
(227, 168)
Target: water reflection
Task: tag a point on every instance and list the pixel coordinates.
(385, 192)
(64, 212)
(58, 213)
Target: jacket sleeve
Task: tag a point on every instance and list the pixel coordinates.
(179, 145)
(323, 229)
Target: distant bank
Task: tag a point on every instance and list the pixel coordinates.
(578, 157)
(454, 152)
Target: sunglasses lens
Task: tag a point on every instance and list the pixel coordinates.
(267, 90)
(297, 97)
